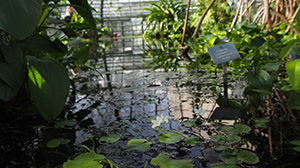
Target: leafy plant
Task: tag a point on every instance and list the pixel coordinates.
(232, 155)
(165, 161)
(33, 62)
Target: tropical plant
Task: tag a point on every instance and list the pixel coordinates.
(34, 58)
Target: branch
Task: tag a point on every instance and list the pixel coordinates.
(186, 48)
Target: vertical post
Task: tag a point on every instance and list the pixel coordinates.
(225, 74)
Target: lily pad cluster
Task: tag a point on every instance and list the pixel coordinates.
(232, 156)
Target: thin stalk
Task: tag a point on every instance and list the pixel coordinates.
(185, 22)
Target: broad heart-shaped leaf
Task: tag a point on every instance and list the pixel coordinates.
(111, 138)
(82, 55)
(86, 160)
(293, 70)
(12, 72)
(220, 148)
(261, 80)
(165, 161)
(48, 85)
(248, 157)
(45, 45)
(19, 17)
(138, 144)
(84, 10)
(170, 138)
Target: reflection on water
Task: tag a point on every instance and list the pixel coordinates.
(136, 96)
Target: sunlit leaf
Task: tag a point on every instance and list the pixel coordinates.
(48, 85)
(111, 138)
(296, 142)
(293, 69)
(138, 144)
(170, 138)
(165, 161)
(220, 148)
(86, 160)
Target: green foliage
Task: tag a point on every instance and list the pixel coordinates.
(138, 144)
(46, 54)
(49, 86)
(293, 69)
(192, 140)
(57, 141)
(86, 160)
(12, 72)
(19, 18)
(170, 138)
(165, 161)
(111, 138)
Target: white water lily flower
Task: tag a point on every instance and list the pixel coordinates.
(199, 111)
(164, 118)
(156, 123)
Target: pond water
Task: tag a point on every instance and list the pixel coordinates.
(128, 99)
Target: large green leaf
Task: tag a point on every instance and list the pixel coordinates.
(138, 144)
(293, 70)
(170, 138)
(84, 10)
(12, 72)
(19, 17)
(45, 45)
(82, 55)
(49, 86)
(111, 138)
(86, 160)
(287, 50)
(248, 157)
(261, 79)
(165, 161)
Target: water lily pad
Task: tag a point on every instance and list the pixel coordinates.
(230, 159)
(86, 160)
(193, 140)
(170, 138)
(224, 165)
(233, 139)
(190, 123)
(56, 142)
(242, 128)
(218, 138)
(111, 138)
(248, 157)
(227, 129)
(165, 161)
(138, 144)
(220, 148)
